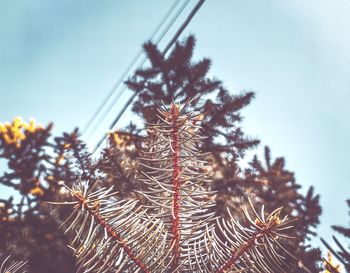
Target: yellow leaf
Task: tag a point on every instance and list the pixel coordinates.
(37, 191)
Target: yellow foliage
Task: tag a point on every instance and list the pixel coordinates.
(14, 133)
(50, 178)
(60, 159)
(31, 126)
(276, 219)
(331, 262)
(119, 139)
(66, 145)
(37, 191)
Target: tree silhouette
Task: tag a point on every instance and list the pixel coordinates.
(38, 166)
(342, 253)
(274, 186)
(35, 164)
(177, 77)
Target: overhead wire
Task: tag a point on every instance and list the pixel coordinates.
(120, 80)
(169, 45)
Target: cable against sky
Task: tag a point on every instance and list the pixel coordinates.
(165, 50)
(105, 102)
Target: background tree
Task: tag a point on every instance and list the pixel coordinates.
(343, 252)
(177, 77)
(274, 186)
(37, 165)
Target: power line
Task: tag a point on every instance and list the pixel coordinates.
(165, 50)
(122, 77)
(183, 26)
(165, 31)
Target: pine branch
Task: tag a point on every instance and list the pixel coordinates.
(335, 253)
(342, 254)
(342, 230)
(255, 248)
(80, 153)
(8, 265)
(174, 230)
(111, 234)
(174, 175)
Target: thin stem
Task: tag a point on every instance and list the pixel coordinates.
(112, 233)
(174, 111)
(242, 249)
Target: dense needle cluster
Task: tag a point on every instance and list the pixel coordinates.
(172, 228)
(8, 265)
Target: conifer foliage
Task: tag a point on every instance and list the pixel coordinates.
(273, 185)
(175, 229)
(8, 265)
(170, 197)
(343, 252)
(35, 165)
(177, 76)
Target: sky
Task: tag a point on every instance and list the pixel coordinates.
(59, 59)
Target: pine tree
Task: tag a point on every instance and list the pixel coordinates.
(38, 167)
(274, 185)
(342, 253)
(35, 164)
(175, 228)
(178, 77)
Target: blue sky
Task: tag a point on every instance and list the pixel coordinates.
(58, 59)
